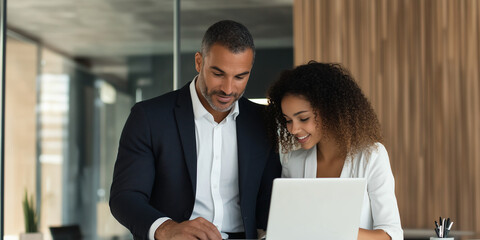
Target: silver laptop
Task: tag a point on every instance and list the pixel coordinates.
(315, 208)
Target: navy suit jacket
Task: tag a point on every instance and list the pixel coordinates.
(156, 167)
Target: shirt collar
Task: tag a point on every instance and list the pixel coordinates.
(199, 110)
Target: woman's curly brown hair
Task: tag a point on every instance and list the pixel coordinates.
(346, 113)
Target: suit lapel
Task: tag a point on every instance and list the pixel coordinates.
(186, 128)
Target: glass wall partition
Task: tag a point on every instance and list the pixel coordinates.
(96, 58)
(111, 113)
(56, 118)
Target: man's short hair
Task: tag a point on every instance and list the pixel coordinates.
(228, 33)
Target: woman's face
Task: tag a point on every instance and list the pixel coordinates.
(301, 120)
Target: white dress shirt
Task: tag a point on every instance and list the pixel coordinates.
(217, 194)
(379, 210)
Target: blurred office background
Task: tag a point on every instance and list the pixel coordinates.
(75, 68)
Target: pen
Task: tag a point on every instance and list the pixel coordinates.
(440, 227)
(443, 227)
(448, 228)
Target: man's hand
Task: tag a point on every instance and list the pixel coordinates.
(198, 228)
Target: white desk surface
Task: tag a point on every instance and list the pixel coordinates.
(426, 233)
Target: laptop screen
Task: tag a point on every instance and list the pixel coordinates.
(315, 208)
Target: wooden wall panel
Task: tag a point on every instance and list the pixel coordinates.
(419, 64)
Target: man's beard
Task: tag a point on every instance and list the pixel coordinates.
(208, 97)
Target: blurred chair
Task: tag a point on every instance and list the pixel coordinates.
(70, 232)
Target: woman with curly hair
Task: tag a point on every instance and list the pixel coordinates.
(326, 127)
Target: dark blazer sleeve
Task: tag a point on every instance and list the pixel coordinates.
(134, 176)
(272, 170)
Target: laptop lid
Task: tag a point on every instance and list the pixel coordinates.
(315, 208)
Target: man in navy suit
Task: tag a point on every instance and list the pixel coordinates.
(196, 163)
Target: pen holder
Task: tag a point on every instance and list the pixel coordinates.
(437, 238)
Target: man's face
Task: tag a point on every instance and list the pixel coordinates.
(222, 76)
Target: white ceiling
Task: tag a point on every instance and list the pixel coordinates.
(102, 29)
